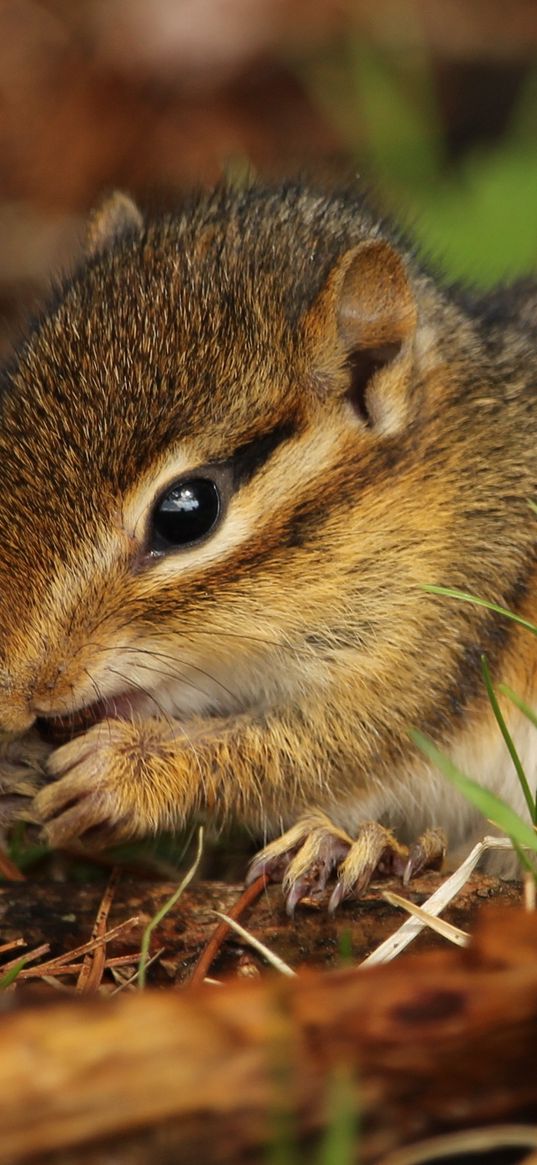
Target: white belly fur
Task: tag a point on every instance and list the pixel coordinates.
(426, 798)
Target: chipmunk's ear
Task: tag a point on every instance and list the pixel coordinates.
(115, 218)
(363, 321)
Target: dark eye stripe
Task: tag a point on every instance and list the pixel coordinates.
(248, 459)
(189, 509)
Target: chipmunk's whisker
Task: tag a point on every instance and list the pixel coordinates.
(167, 658)
(131, 683)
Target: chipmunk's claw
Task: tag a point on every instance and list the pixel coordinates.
(375, 852)
(83, 802)
(307, 855)
(303, 858)
(309, 871)
(427, 853)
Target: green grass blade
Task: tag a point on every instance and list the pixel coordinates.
(339, 1142)
(520, 704)
(453, 593)
(519, 768)
(168, 905)
(10, 976)
(528, 712)
(492, 807)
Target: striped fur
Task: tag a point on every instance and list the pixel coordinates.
(277, 666)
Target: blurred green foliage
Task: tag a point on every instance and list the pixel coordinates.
(477, 218)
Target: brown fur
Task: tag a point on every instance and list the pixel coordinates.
(289, 654)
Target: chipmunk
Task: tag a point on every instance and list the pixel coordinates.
(234, 449)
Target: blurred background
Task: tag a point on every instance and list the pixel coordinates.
(433, 103)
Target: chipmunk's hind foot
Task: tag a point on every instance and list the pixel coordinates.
(376, 853)
(303, 858)
(307, 855)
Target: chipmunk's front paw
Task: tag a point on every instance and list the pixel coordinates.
(306, 856)
(91, 797)
(22, 772)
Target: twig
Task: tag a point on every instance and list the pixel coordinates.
(28, 958)
(219, 935)
(45, 970)
(11, 945)
(91, 971)
(54, 965)
(124, 960)
(9, 870)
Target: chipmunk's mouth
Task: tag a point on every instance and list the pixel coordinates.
(60, 729)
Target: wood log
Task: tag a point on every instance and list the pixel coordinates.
(435, 1041)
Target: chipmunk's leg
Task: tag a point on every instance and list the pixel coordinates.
(307, 854)
(22, 773)
(127, 778)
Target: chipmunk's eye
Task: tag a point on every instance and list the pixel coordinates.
(185, 514)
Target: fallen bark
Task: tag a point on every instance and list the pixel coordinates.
(63, 915)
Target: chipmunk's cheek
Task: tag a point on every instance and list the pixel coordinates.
(89, 796)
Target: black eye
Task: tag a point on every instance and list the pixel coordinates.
(185, 514)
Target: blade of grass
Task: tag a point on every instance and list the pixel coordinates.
(12, 974)
(520, 704)
(340, 1139)
(463, 596)
(526, 711)
(519, 767)
(168, 905)
(491, 806)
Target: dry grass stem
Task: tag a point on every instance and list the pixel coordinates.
(129, 980)
(466, 1141)
(453, 933)
(438, 901)
(530, 887)
(269, 955)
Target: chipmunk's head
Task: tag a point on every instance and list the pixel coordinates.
(199, 444)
